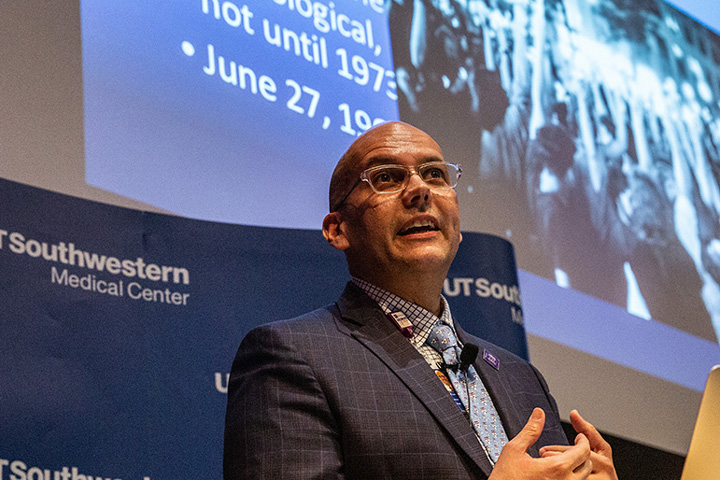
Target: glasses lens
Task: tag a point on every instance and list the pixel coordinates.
(439, 175)
(388, 178)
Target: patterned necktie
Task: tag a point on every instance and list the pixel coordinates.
(469, 387)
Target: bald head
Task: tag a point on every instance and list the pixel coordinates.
(348, 169)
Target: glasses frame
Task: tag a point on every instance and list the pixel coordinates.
(412, 170)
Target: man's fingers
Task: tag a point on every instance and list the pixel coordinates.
(584, 470)
(530, 432)
(576, 457)
(580, 424)
(550, 450)
(557, 461)
(597, 442)
(582, 446)
(582, 438)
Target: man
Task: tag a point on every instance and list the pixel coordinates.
(350, 391)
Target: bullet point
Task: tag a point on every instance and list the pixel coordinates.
(188, 48)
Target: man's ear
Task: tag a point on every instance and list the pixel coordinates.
(334, 231)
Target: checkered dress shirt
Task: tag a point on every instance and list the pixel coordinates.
(422, 320)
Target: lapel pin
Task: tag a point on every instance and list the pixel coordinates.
(491, 359)
(402, 323)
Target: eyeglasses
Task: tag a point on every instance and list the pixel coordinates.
(395, 178)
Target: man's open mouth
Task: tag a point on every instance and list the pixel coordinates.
(420, 226)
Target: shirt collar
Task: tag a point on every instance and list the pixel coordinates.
(423, 321)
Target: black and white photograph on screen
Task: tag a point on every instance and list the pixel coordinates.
(589, 134)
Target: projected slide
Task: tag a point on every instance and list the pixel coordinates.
(204, 108)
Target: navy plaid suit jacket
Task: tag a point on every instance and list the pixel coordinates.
(341, 393)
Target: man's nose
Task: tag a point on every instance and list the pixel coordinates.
(416, 188)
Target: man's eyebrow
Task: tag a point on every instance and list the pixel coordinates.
(390, 160)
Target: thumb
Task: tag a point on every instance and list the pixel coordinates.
(531, 431)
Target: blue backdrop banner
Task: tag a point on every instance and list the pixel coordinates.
(118, 328)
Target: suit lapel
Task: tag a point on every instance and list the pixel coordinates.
(379, 335)
(499, 386)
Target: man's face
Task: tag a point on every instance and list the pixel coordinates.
(414, 230)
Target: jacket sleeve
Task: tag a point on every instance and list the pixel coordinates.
(278, 422)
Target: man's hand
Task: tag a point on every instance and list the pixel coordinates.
(570, 462)
(601, 455)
